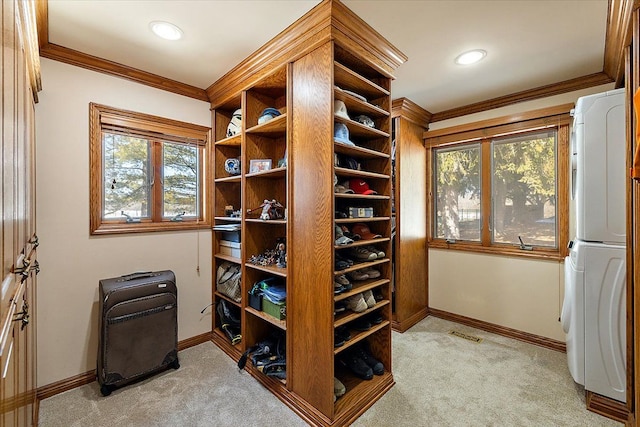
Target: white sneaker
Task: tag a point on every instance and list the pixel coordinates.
(369, 299)
(357, 303)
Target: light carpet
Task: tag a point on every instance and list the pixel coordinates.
(441, 380)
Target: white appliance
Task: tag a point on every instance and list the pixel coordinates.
(598, 167)
(594, 309)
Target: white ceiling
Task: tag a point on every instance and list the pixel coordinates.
(529, 43)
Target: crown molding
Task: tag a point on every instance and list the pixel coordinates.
(407, 109)
(83, 60)
(90, 62)
(618, 36)
(329, 20)
(571, 85)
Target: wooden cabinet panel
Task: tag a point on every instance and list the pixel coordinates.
(17, 223)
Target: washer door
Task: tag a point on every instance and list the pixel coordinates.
(565, 315)
(572, 316)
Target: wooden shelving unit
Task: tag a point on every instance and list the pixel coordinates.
(301, 78)
(410, 254)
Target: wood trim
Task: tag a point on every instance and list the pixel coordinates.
(42, 21)
(404, 325)
(90, 62)
(558, 110)
(607, 407)
(618, 37)
(500, 330)
(410, 111)
(571, 85)
(194, 341)
(329, 20)
(67, 384)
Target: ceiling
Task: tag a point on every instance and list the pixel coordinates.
(529, 43)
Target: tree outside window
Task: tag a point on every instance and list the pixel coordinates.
(147, 173)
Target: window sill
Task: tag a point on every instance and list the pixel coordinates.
(148, 227)
(500, 250)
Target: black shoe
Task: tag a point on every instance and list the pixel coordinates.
(340, 336)
(339, 307)
(376, 366)
(375, 318)
(357, 366)
(361, 324)
(343, 333)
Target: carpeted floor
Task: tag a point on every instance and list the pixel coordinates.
(441, 380)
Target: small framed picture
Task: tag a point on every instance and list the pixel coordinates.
(259, 165)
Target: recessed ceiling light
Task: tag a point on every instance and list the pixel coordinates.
(471, 57)
(166, 30)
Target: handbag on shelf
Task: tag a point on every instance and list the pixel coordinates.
(229, 280)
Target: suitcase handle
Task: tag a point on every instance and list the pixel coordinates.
(137, 275)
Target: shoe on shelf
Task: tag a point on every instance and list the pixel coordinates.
(361, 324)
(342, 279)
(341, 264)
(338, 341)
(342, 258)
(369, 298)
(343, 332)
(375, 318)
(356, 303)
(357, 365)
(349, 234)
(358, 275)
(341, 239)
(363, 353)
(338, 288)
(375, 250)
(338, 388)
(339, 307)
(371, 272)
(361, 254)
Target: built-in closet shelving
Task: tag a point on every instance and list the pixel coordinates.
(409, 214)
(302, 81)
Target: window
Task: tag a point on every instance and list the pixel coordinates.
(147, 173)
(501, 185)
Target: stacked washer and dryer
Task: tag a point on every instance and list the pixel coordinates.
(594, 309)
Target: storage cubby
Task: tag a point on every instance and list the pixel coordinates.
(302, 84)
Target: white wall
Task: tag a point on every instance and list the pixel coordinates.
(71, 261)
(521, 294)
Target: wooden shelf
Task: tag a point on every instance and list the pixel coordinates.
(276, 271)
(226, 298)
(270, 221)
(228, 258)
(275, 126)
(348, 79)
(236, 178)
(359, 152)
(352, 220)
(227, 218)
(359, 174)
(361, 196)
(359, 390)
(356, 106)
(349, 316)
(270, 174)
(356, 243)
(282, 324)
(235, 140)
(361, 265)
(222, 337)
(360, 130)
(361, 286)
(357, 336)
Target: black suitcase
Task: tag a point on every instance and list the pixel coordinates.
(138, 327)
